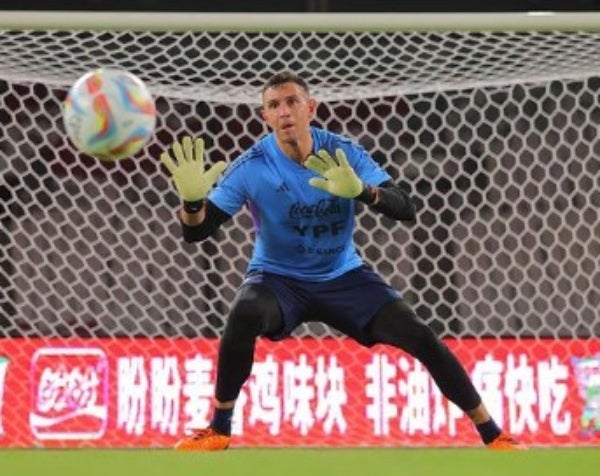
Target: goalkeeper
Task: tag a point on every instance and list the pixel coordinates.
(301, 184)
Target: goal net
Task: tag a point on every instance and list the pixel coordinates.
(109, 322)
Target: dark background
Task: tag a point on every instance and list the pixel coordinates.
(308, 5)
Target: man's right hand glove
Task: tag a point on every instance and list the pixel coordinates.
(337, 177)
(191, 181)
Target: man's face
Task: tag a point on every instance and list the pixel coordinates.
(288, 110)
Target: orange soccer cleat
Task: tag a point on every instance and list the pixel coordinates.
(505, 442)
(206, 439)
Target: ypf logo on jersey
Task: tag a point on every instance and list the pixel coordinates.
(69, 393)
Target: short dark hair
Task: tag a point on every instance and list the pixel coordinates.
(285, 77)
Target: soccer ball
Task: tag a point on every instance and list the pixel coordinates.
(109, 114)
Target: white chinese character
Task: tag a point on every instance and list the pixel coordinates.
(66, 388)
(166, 387)
(381, 390)
(237, 419)
(416, 413)
(445, 413)
(265, 403)
(298, 394)
(519, 389)
(132, 388)
(487, 379)
(331, 394)
(3, 369)
(198, 390)
(552, 392)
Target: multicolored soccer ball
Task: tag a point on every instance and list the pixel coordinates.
(109, 114)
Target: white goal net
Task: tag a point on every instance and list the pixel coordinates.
(104, 308)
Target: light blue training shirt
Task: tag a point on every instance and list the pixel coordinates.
(301, 231)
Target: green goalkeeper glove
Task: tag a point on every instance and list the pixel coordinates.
(339, 177)
(190, 179)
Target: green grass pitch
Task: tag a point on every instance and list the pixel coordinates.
(302, 462)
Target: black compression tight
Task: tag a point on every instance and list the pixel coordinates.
(254, 312)
(396, 324)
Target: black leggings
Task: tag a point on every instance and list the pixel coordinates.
(397, 324)
(256, 312)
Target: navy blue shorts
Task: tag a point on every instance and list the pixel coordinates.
(346, 303)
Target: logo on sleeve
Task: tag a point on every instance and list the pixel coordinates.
(282, 188)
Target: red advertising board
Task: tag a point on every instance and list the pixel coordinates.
(309, 392)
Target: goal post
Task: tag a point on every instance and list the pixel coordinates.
(109, 322)
(300, 22)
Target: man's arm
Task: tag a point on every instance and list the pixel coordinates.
(199, 217)
(199, 225)
(389, 199)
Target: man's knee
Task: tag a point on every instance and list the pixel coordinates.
(397, 324)
(255, 311)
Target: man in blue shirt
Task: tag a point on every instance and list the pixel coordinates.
(301, 184)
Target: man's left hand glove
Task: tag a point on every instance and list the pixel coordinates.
(339, 177)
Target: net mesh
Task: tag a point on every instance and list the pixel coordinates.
(495, 135)
(231, 67)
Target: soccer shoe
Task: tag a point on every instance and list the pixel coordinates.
(206, 439)
(505, 442)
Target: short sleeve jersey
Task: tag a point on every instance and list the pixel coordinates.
(301, 232)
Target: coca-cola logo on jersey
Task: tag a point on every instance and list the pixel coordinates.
(322, 208)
